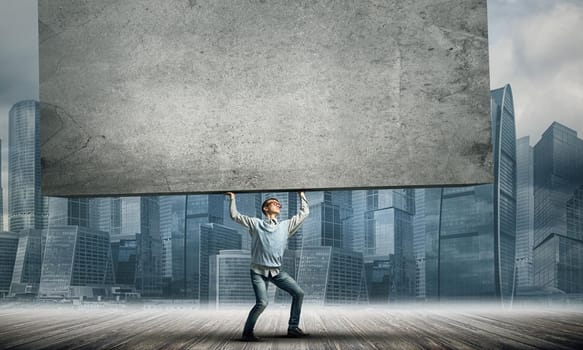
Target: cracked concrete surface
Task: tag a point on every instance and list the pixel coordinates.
(206, 96)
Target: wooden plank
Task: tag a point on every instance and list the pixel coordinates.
(331, 328)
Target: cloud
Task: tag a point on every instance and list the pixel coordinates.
(537, 50)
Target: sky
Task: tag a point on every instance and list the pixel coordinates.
(534, 45)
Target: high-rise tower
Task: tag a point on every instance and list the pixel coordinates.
(27, 208)
(558, 175)
(524, 214)
(471, 231)
(504, 153)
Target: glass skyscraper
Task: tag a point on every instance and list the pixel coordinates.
(28, 263)
(229, 282)
(471, 231)
(382, 227)
(8, 247)
(134, 223)
(213, 238)
(524, 214)
(77, 258)
(324, 226)
(27, 208)
(141, 216)
(419, 243)
(558, 175)
(166, 238)
(330, 275)
(504, 147)
(77, 262)
(465, 250)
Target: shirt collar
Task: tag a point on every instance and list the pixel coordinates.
(271, 221)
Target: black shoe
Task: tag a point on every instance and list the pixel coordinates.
(296, 333)
(250, 337)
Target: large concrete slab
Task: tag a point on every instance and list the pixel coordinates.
(148, 96)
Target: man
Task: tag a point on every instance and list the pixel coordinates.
(268, 242)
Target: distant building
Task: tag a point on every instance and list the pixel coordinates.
(27, 208)
(212, 239)
(380, 280)
(465, 248)
(471, 231)
(575, 215)
(229, 278)
(524, 214)
(558, 175)
(202, 210)
(382, 224)
(77, 262)
(125, 261)
(330, 275)
(326, 224)
(166, 218)
(419, 243)
(8, 248)
(28, 263)
(77, 258)
(133, 224)
(140, 220)
(504, 154)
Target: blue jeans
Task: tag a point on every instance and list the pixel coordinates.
(283, 281)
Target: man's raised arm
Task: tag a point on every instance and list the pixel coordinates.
(296, 221)
(235, 215)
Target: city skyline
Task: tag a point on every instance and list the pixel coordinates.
(469, 235)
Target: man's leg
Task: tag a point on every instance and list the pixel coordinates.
(260, 288)
(287, 283)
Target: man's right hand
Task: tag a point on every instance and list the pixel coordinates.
(230, 194)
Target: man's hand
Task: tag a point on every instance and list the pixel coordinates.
(230, 194)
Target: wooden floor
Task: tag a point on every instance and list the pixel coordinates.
(331, 328)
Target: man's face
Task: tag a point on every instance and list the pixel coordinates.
(272, 207)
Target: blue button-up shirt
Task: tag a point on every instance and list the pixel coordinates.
(269, 237)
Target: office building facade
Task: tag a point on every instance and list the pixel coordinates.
(381, 224)
(27, 208)
(8, 248)
(330, 275)
(471, 231)
(77, 263)
(213, 238)
(229, 278)
(558, 175)
(504, 154)
(28, 263)
(524, 214)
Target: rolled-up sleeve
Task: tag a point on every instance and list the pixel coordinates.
(297, 220)
(239, 218)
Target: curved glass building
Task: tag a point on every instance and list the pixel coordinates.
(471, 230)
(504, 154)
(27, 209)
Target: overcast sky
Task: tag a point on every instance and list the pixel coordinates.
(536, 46)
